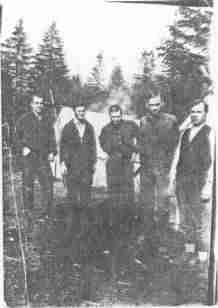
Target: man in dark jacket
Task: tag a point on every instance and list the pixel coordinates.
(193, 177)
(78, 157)
(35, 142)
(117, 139)
(158, 137)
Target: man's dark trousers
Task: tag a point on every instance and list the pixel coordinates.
(35, 167)
(78, 199)
(79, 189)
(79, 155)
(157, 141)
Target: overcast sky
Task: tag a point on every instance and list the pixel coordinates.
(87, 27)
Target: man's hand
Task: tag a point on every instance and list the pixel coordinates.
(63, 168)
(134, 158)
(206, 194)
(205, 197)
(26, 151)
(51, 157)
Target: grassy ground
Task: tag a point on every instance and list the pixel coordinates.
(127, 262)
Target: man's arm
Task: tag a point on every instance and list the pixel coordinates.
(128, 145)
(138, 145)
(21, 146)
(105, 142)
(173, 168)
(142, 146)
(94, 147)
(206, 192)
(174, 162)
(175, 134)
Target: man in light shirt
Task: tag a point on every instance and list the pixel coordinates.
(78, 156)
(78, 159)
(194, 177)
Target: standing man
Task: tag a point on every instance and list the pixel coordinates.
(78, 159)
(117, 139)
(194, 177)
(35, 141)
(158, 137)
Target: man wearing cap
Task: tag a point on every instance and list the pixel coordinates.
(35, 142)
(117, 139)
(193, 177)
(78, 159)
(158, 137)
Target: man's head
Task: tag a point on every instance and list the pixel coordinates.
(116, 114)
(80, 111)
(198, 113)
(37, 104)
(154, 104)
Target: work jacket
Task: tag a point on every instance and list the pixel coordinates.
(157, 141)
(79, 154)
(37, 135)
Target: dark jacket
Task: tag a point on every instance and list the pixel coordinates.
(195, 155)
(118, 143)
(119, 140)
(78, 155)
(38, 135)
(158, 137)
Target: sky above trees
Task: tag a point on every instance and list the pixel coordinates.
(182, 54)
(121, 32)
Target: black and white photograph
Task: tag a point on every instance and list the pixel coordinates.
(108, 116)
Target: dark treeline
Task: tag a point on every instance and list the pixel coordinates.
(183, 58)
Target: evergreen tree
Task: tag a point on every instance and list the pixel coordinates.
(94, 89)
(116, 80)
(183, 54)
(16, 67)
(143, 82)
(148, 64)
(96, 78)
(76, 90)
(50, 71)
(17, 58)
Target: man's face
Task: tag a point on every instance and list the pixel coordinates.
(154, 105)
(116, 117)
(37, 104)
(198, 114)
(80, 112)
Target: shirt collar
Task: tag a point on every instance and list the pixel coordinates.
(154, 117)
(78, 123)
(198, 127)
(36, 115)
(118, 125)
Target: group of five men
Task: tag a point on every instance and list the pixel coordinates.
(155, 140)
